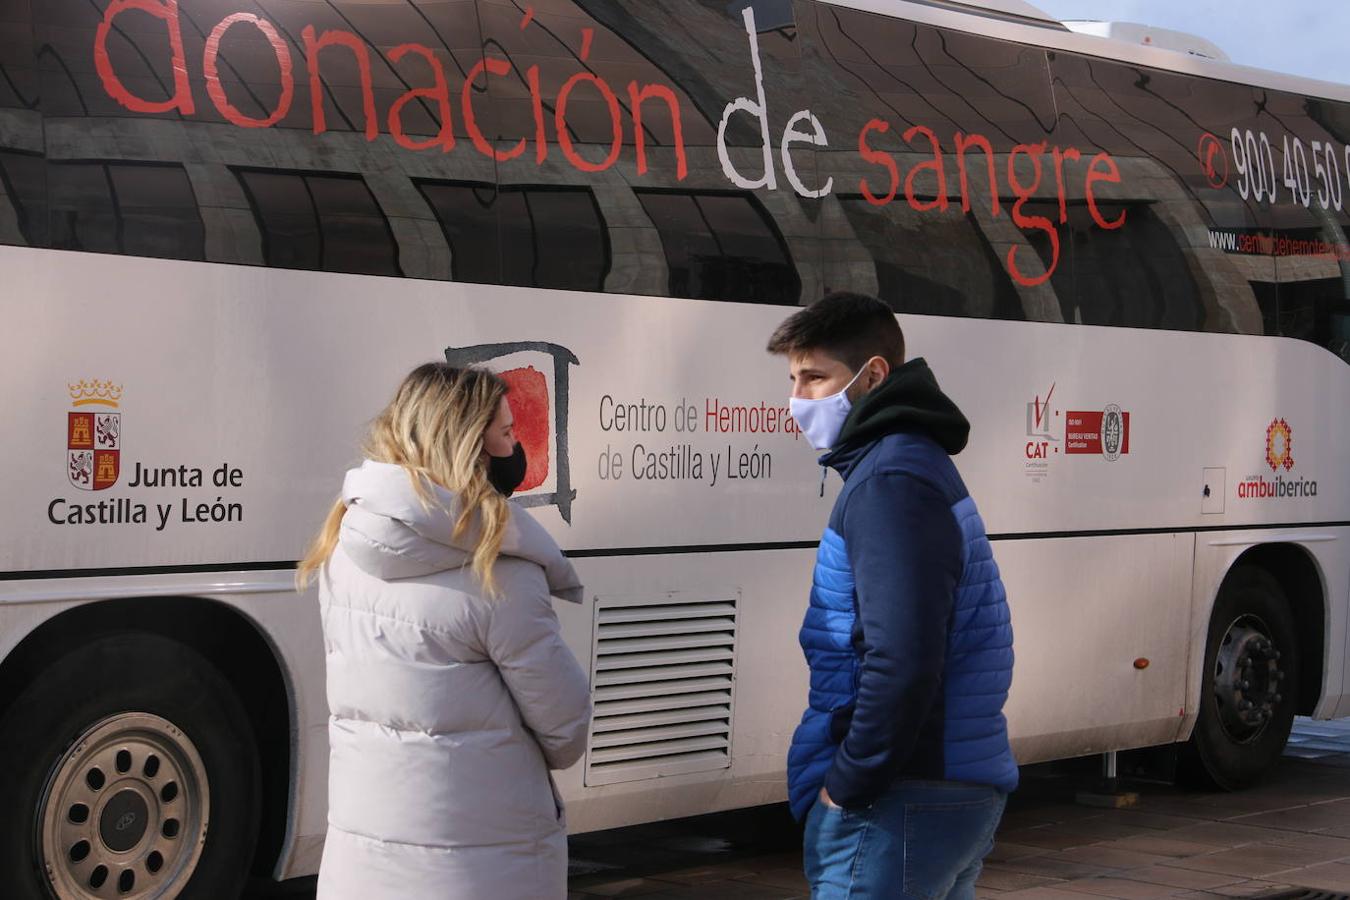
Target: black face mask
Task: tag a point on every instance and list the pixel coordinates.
(505, 473)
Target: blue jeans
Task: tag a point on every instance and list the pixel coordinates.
(921, 840)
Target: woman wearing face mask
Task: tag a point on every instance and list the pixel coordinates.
(451, 691)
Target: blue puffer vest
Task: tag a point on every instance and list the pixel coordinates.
(932, 653)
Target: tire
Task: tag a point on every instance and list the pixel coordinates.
(103, 752)
(1232, 747)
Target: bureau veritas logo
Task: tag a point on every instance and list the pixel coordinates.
(1115, 438)
(94, 435)
(1105, 433)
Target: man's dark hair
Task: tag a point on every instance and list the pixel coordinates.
(851, 327)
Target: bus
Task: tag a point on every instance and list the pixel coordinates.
(228, 227)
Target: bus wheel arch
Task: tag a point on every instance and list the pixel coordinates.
(1263, 663)
(227, 639)
(1298, 574)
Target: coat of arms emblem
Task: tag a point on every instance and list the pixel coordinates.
(94, 435)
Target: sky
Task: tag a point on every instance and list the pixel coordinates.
(1301, 37)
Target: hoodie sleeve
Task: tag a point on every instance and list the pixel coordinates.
(904, 547)
(525, 642)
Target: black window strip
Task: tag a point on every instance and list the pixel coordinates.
(318, 222)
(118, 224)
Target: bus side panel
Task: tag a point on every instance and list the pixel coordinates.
(769, 589)
(1084, 611)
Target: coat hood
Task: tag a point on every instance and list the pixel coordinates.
(389, 533)
(908, 400)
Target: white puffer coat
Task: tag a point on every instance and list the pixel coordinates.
(447, 708)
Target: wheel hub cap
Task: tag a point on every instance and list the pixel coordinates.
(124, 820)
(125, 811)
(1247, 679)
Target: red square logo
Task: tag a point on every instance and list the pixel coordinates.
(528, 398)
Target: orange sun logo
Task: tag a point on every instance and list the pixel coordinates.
(1280, 446)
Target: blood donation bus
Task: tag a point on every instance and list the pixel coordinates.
(228, 227)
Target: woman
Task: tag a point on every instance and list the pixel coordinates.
(451, 691)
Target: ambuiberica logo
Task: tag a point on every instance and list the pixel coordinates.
(1279, 458)
(158, 495)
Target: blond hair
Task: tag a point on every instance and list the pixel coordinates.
(434, 428)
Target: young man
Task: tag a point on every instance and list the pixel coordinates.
(901, 764)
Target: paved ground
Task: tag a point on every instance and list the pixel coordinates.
(1291, 832)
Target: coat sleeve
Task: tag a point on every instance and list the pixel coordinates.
(904, 546)
(525, 642)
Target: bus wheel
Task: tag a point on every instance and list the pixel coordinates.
(129, 771)
(1250, 684)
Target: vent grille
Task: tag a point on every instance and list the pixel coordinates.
(663, 676)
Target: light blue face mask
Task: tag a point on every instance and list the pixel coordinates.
(822, 420)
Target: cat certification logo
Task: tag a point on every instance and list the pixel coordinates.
(94, 435)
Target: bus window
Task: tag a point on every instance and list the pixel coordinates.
(553, 237)
(535, 236)
(23, 202)
(328, 222)
(1135, 277)
(722, 246)
(448, 30)
(1177, 199)
(933, 264)
(926, 122)
(1316, 310)
(18, 86)
(1310, 225)
(23, 178)
(1267, 298)
(468, 216)
(609, 95)
(138, 209)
